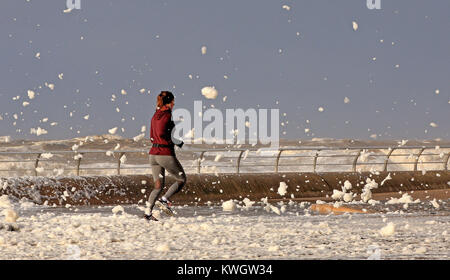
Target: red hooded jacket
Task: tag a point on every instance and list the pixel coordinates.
(161, 133)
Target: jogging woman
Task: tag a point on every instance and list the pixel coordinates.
(162, 154)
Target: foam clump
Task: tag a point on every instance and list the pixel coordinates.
(282, 189)
(387, 230)
(406, 198)
(123, 159)
(366, 194)
(434, 203)
(274, 248)
(248, 203)
(337, 195)
(112, 130)
(365, 156)
(139, 137)
(337, 204)
(163, 248)
(118, 209)
(347, 185)
(421, 250)
(8, 209)
(38, 131)
(5, 202)
(5, 139)
(209, 92)
(46, 155)
(343, 195)
(10, 215)
(229, 205)
(388, 177)
(274, 209)
(348, 197)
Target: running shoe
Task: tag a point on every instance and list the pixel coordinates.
(150, 218)
(165, 206)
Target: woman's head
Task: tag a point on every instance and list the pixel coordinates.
(165, 98)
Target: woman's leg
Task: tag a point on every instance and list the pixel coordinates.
(158, 173)
(174, 167)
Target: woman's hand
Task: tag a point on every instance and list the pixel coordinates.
(180, 144)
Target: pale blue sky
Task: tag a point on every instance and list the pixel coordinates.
(157, 45)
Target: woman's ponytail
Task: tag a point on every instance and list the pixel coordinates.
(159, 101)
(165, 97)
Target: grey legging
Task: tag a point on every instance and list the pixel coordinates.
(173, 166)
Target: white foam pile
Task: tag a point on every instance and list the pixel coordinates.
(218, 157)
(248, 203)
(139, 137)
(123, 159)
(116, 233)
(343, 195)
(274, 209)
(269, 207)
(163, 247)
(229, 205)
(286, 7)
(209, 92)
(5, 203)
(31, 94)
(402, 142)
(282, 189)
(348, 197)
(10, 215)
(388, 177)
(58, 171)
(5, 139)
(112, 130)
(337, 195)
(347, 185)
(366, 194)
(39, 169)
(388, 230)
(435, 204)
(38, 131)
(405, 199)
(3, 184)
(203, 49)
(25, 204)
(50, 86)
(118, 209)
(365, 155)
(7, 210)
(46, 155)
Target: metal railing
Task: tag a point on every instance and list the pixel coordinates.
(354, 163)
(317, 159)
